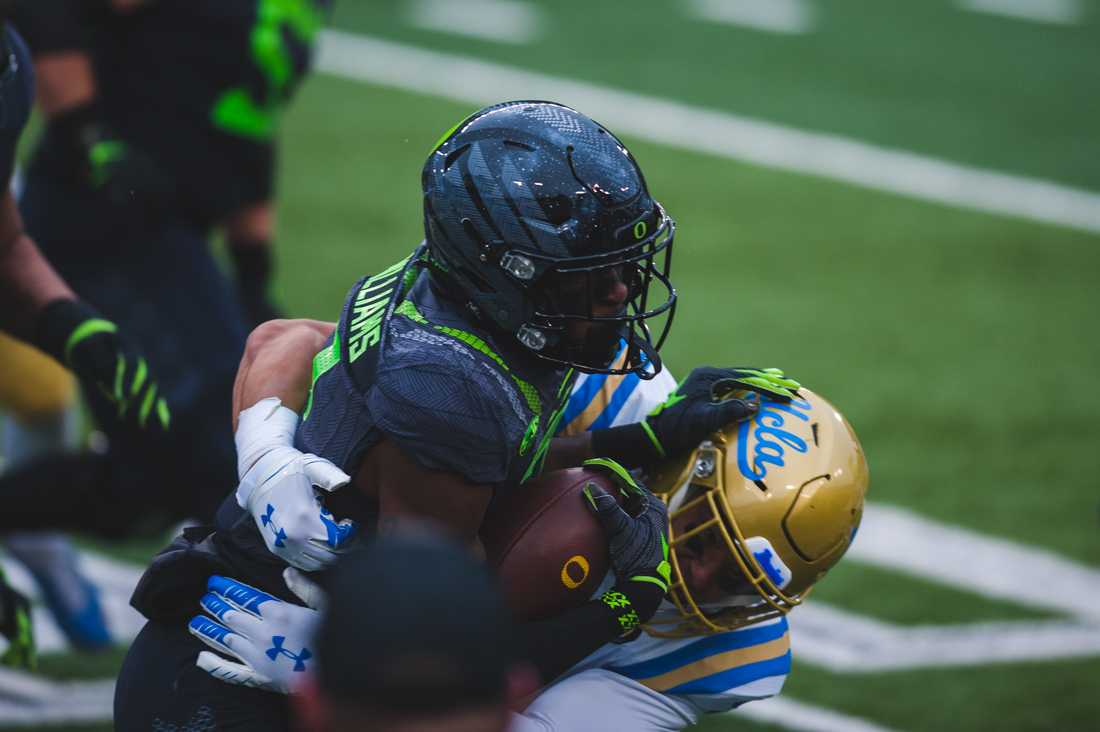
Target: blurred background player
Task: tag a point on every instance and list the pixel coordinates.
(38, 306)
(160, 125)
(438, 653)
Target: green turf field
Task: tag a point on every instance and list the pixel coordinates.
(959, 344)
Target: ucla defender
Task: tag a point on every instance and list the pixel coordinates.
(758, 515)
(444, 381)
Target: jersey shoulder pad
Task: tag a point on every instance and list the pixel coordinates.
(446, 407)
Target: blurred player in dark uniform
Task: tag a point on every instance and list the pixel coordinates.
(37, 306)
(161, 117)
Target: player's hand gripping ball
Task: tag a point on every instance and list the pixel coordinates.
(545, 545)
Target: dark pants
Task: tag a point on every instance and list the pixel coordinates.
(153, 275)
(160, 688)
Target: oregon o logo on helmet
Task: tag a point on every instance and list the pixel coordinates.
(576, 564)
(640, 229)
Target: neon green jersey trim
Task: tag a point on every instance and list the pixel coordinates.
(530, 394)
(535, 467)
(237, 111)
(325, 359)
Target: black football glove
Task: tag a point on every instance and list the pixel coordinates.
(15, 626)
(107, 365)
(637, 539)
(698, 407)
(123, 174)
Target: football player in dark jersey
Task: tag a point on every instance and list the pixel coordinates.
(37, 306)
(161, 117)
(442, 383)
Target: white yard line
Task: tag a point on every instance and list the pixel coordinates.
(698, 129)
(774, 16)
(794, 715)
(1058, 12)
(843, 642)
(897, 539)
(503, 21)
(26, 699)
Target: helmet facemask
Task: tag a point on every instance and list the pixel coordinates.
(571, 326)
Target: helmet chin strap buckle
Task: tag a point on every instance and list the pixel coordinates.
(533, 338)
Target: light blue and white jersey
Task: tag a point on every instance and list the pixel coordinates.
(663, 684)
(653, 684)
(600, 401)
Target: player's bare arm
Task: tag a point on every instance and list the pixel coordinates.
(27, 281)
(65, 81)
(276, 363)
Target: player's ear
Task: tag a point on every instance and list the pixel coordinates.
(311, 709)
(523, 685)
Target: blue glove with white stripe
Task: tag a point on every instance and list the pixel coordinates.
(271, 640)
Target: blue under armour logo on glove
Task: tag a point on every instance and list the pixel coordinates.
(338, 534)
(268, 521)
(277, 650)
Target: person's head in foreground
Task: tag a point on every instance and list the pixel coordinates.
(416, 638)
(760, 514)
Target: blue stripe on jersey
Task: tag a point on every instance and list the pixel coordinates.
(582, 397)
(710, 645)
(734, 677)
(618, 399)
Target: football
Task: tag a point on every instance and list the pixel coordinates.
(545, 544)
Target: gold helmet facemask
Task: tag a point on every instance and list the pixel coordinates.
(784, 491)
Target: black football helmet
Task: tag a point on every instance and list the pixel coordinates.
(531, 210)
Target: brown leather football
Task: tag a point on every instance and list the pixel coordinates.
(545, 544)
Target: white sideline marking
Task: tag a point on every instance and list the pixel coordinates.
(1060, 12)
(843, 642)
(795, 715)
(475, 82)
(26, 699)
(505, 21)
(775, 16)
(897, 539)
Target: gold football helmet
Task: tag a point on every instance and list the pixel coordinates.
(784, 491)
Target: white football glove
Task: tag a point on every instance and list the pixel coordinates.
(277, 488)
(272, 640)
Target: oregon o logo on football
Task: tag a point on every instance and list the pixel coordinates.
(574, 566)
(640, 229)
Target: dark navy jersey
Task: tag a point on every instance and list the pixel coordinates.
(409, 365)
(200, 85)
(406, 364)
(16, 97)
